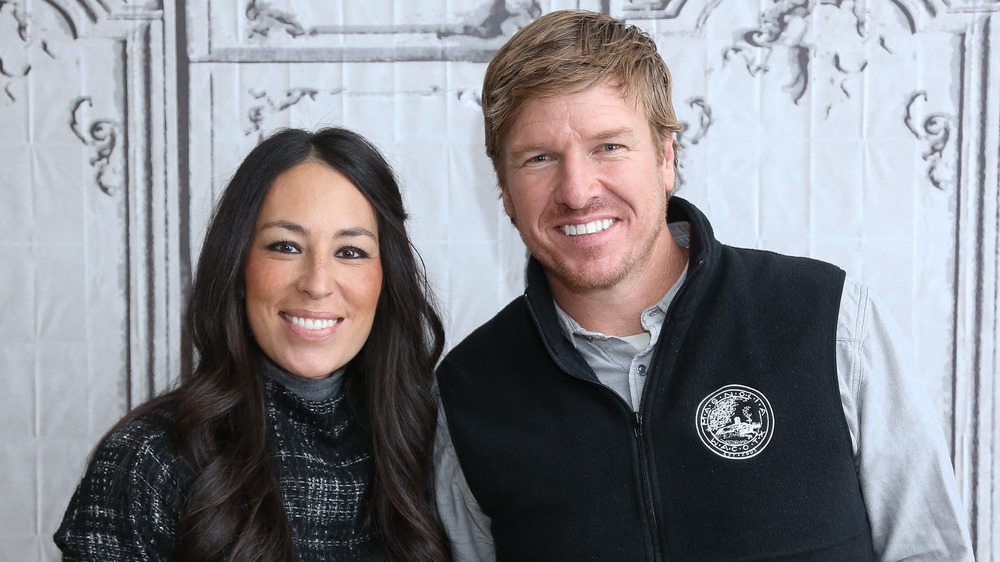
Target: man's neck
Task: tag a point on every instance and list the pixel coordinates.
(617, 310)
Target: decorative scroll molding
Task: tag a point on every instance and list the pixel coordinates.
(703, 112)
(101, 136)
(654, 9)
(492, 20)
(276, 35)
(471, 96)
(972, 5)
(77, 16)
(497, 21)
(14, 65)
(266, 105)
(691, 136)
(17, 12)
(784, 27)
(264, 19)
(935, 130)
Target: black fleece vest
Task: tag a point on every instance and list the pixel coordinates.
(740, 450)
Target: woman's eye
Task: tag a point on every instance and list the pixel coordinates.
(611, 147)
(352, 253)
(284, 247)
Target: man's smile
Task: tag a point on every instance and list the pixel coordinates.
(587, 228)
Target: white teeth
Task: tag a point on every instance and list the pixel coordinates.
(311, 323)
(588, 228)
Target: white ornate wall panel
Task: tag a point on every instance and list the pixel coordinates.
(862, 132)
(83, 165)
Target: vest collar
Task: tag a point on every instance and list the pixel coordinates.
(704, 249)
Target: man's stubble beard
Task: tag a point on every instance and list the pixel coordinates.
(577, 281)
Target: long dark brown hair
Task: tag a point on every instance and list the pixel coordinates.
(234, 509)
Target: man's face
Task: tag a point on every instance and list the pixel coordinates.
(586, 184)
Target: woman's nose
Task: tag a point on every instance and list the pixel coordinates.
(317, 278)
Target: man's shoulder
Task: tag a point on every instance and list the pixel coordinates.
(759, 261)
(496, 334)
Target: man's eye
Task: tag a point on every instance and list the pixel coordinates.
(538, 158)
(352, 253)
(284, 247)
(611, 147)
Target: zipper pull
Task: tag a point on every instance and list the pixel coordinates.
(637, 425)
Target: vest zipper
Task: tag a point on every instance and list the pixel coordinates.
(637, 423)
(636, 420)
(647, 488)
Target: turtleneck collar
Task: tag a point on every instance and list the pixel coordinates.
(314, 390)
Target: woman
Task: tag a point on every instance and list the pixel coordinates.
(305, 430)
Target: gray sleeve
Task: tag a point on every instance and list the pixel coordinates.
(467, 526)
(901, 455)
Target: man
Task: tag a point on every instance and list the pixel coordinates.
(654, 394)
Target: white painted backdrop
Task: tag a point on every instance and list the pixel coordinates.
(864, 132)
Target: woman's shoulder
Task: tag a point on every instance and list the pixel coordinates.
(144, 443)
(151, 427)
(138, 457)
(130, 495)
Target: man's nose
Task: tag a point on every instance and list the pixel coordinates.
(579, 182)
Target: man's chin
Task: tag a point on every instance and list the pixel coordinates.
(584, 278)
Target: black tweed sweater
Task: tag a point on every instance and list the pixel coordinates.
(127, 505)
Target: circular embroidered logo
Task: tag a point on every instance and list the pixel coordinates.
(735, 422)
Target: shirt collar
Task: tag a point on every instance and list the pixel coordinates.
(652, 318)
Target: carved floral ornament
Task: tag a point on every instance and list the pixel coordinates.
(100, 135)
(491, 20)
(264, 105)
(935, 130)
(15, 56)
(783, 29)
(28, 43)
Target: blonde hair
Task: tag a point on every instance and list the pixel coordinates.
(569, 51)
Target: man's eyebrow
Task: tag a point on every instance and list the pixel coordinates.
(615, 133)
(520, 150)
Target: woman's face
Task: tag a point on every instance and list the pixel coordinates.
(313, 275)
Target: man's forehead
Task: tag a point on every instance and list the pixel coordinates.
(587, 117)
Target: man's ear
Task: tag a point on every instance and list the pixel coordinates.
(667, 164)
(508, 203)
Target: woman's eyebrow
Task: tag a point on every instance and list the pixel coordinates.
(350, 232)
(287, 225)
(355, 231)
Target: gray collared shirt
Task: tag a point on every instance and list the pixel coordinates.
(620, 363)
